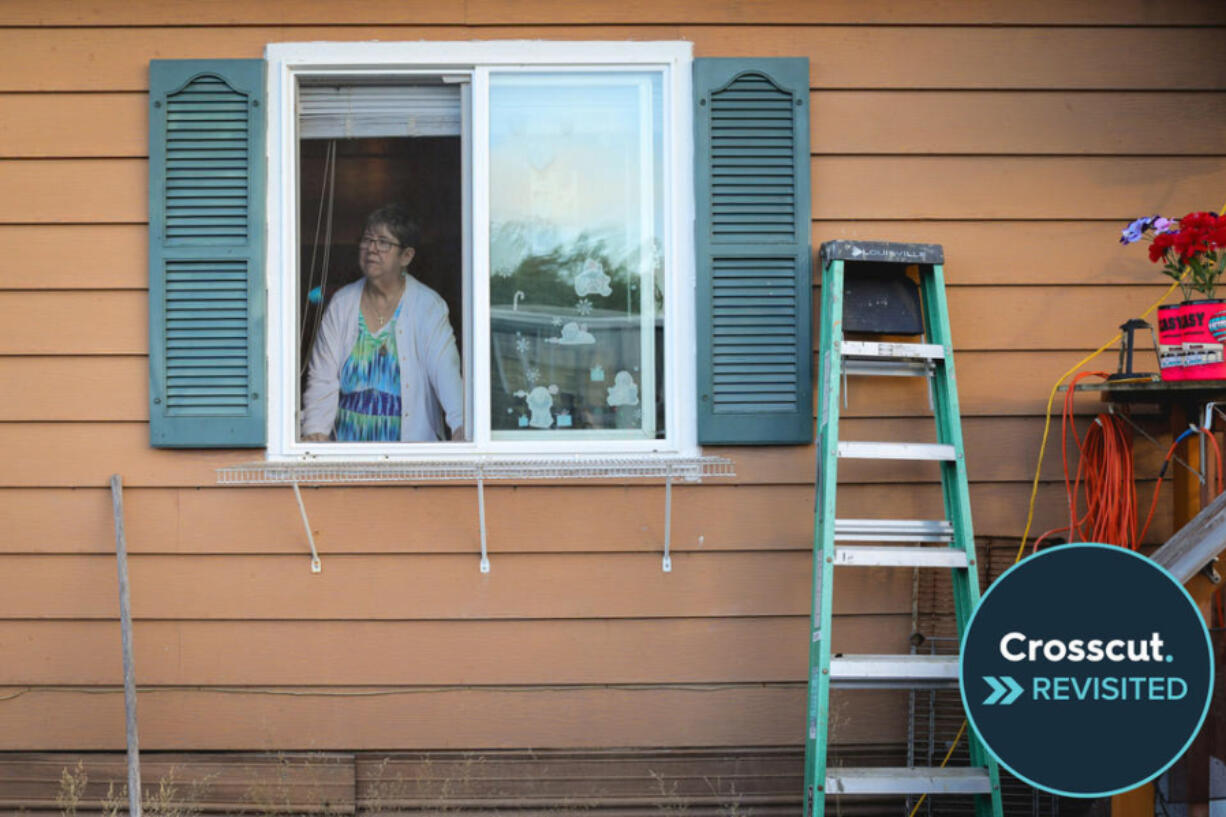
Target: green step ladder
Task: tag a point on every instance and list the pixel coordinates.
(923, 543)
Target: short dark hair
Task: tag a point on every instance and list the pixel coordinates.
(398, 221)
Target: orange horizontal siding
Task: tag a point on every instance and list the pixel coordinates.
(316, 12)
(912, 122)
(385, 587)
(1022, 146)
(1016, 122)
(325, 653)
(1039, 58)
(749, 715)
(107, 389)
(844, 187)
(709, 517)
(976, 252)
(86, 454)
(1037, 318)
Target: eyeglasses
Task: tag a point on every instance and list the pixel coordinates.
(380, 244)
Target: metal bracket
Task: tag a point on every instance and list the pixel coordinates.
(1210, 571)
(1123, 416)
(485, 556)
(667, 564)
(316, 565)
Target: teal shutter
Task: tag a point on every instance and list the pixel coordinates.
(206, 253)
(754, 288)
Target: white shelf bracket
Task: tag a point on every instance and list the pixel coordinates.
(316, 565)
(485, 556)
(667, 564)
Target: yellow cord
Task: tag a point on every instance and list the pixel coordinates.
(1051, 398)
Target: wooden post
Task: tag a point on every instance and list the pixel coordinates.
(1139, 802)
(125, 629)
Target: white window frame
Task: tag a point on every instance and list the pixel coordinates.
(288, 62)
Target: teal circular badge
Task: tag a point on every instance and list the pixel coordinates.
(1086, 670)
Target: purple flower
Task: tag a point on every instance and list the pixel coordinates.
(1164, 225)
(1133, 232)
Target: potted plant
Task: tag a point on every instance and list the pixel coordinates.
(1192, 251)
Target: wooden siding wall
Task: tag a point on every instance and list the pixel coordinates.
(1020, 135)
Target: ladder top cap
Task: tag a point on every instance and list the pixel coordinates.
(882, 252)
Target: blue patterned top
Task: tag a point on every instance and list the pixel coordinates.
(369, 408)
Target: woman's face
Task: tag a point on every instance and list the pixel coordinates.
(380, 254)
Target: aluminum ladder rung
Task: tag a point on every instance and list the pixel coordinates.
(894, 671)
(893, 530)
(908, 780)
(896, 451)
(886, 368)
(895, 556)
(890, 359)
(895, 351)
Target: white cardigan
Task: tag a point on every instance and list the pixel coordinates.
(430, 377)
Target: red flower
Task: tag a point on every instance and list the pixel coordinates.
(1162, 242)
(1217, 237)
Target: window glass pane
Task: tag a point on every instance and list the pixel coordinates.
(576, 255)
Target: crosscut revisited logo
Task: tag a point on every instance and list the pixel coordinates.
(1086, 670)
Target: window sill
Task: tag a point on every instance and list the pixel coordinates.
(477, 468)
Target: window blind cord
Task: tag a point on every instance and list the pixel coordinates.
(327, 201)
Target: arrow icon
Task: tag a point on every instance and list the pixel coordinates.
(1012, 687)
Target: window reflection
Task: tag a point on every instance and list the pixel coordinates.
(576, 262)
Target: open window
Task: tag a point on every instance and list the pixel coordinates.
(553, 197)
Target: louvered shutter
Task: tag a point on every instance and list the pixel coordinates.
(206, 253)
(755, 358)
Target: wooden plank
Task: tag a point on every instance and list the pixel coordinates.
(751, 715)
(394, 587)
(1003, 252)
(111, 322)
(1011, 187)
(86, 454)
(1040, 58)
(1027, 122)
(490, 12)
(976, 252)
(77, 388)
(621, 781)
(74, 125)
(117, 58)
(315, 783)
(841, 11)
(327, 653)
(1037, 318)
(842, 122)
(51, 256)
(74, 190)
(989, 57)
(709, 517)
(57, 191)
(108, 389)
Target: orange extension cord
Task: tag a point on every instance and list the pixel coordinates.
(1105, 477)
